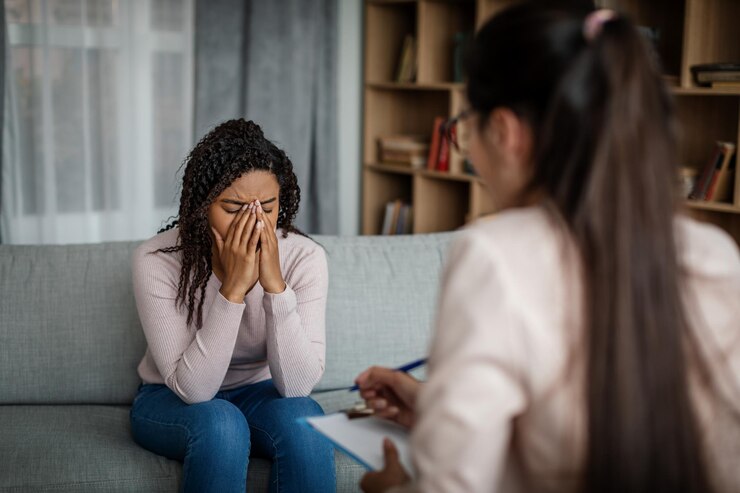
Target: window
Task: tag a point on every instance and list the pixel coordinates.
(98, 115)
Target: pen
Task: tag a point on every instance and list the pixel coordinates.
(405, 368)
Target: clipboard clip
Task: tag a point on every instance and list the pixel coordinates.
(359, 410)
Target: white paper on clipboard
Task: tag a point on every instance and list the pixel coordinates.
(362, 438)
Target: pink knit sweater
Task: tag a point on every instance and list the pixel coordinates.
(278, 336)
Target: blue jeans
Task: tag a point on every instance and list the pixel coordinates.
(215, 439)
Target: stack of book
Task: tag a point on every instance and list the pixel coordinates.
(397, 220)
(406, 71)
(717, 75)
(411, 150)
(715, 181)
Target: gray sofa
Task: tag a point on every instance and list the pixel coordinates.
(70, 341)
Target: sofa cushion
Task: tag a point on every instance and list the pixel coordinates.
(89, 448)
(77, 448)
(70, 333)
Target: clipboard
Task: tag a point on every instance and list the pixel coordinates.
(362, 439)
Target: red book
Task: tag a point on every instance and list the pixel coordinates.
(434, 147)
(702, 183)
(443, 164)
(726, 150)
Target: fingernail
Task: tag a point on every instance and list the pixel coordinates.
(259, 224)
(257, 203)
(244, 207)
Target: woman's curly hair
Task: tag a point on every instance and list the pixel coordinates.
(227, 152)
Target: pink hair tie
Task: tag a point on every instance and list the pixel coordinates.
(594, 23)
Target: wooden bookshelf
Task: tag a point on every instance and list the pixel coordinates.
(691, 32)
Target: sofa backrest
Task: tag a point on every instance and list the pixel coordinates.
(70, 333)
(382, 295)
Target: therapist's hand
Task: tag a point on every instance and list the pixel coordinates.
(390, 394)
(393, 474)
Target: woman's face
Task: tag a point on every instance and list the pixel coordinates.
(500, 150)
(255, 185)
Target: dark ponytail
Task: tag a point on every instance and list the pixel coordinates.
(605, 156)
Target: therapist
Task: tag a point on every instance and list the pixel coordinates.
(587, 335)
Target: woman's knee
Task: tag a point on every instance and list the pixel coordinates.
(220, 423)
(298, 407)
(291, 410)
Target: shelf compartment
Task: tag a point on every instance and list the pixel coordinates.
(437, 24)
(379, 188)
(703, 121)
(712, 27)
(391, 112)
(386, 26)
(439, 205)
(665, 16)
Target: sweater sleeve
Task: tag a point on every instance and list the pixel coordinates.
(295, 326)
(476, 386)
(193, 363)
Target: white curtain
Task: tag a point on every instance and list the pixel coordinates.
(98, 118)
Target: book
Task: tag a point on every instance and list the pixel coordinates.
(399, 224)
(404, 149)
(408, 226)
(406, 71)
(702, 183)
(403, 60)
(443, 162)
(404, 218)
(721, 188)
(435, 141)
(725, 153)
(706, 74)
(387, 218)
(714, 172)
(394, 219)
(412, 68)
(362, 438)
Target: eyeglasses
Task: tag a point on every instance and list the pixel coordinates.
(450, 128)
